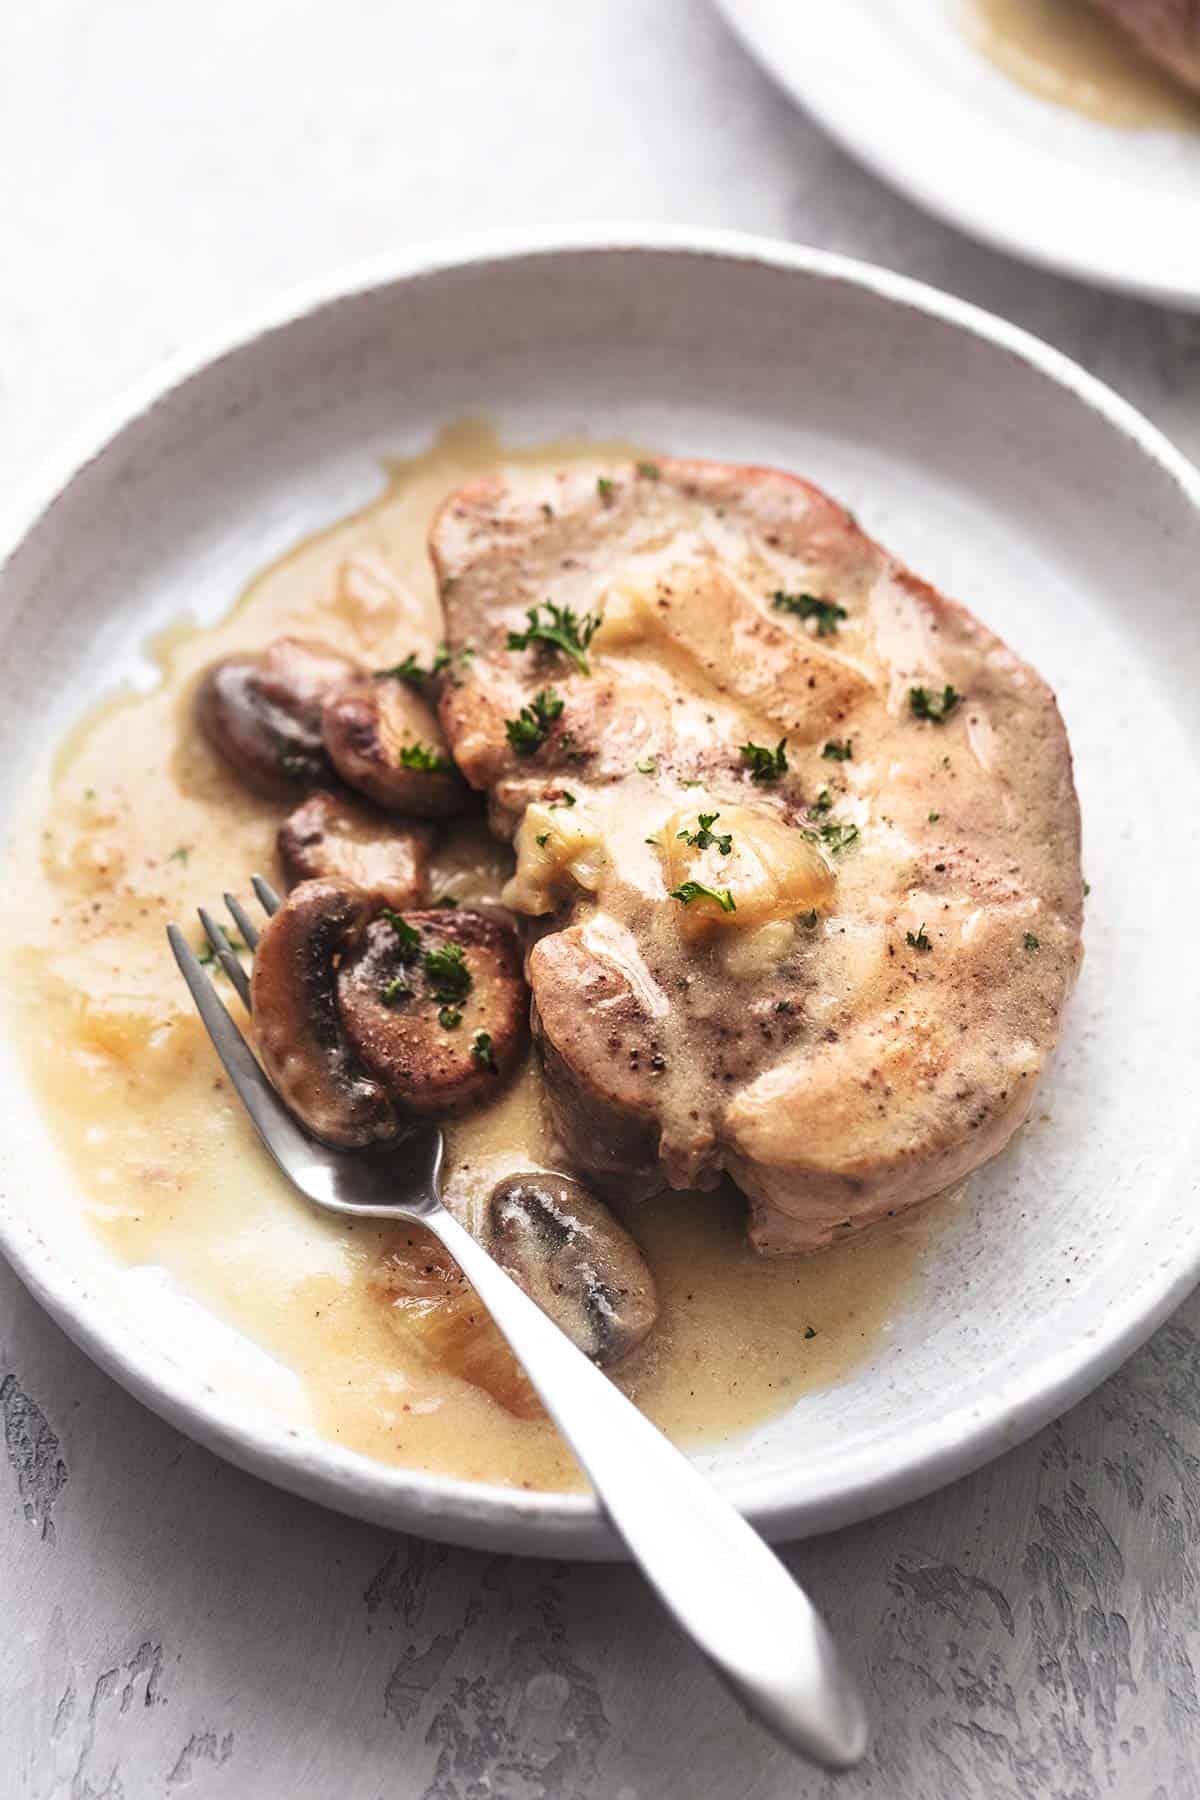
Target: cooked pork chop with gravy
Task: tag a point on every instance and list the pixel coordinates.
(796, 836)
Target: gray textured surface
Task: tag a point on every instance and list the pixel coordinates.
(174, 1627)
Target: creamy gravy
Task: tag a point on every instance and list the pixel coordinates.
(137, 824)
(1065, 51)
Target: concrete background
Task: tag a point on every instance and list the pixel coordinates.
(171, 1626)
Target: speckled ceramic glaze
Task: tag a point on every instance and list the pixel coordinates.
(998, 470)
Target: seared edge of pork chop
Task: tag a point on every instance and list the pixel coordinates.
(895, 1043)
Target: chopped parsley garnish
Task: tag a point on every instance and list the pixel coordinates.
(1032, 942)
(649, 471)
(827, 613)
(839, 752)
(408, 938)
(482, 1052)
(180, 854)
(411, 672)
(606, 489)
(934, 817)
(926, 704)
(547, 510)
(562, 629)
(530, 729)
(647, 766)
(765, 765)
(823, 802)
(208, 954)
(394, 991)
(449, 981)
(809, 1333)
(918, 940)
(542, 839)
(705, 837)
(420, 756)
(566, 798)
(687, 891)
(836, 837)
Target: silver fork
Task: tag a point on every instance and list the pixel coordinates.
(712, 1571)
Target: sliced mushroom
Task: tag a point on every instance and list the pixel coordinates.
(329, 835)
(296, 1020)
(571, 1256)
(384, 740)
(262, 711)
(436, 1006)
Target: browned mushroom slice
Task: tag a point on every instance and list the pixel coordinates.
(436, 1006)
(571, 1256)
(296, 1019)
(384, 740)
(331, 835)
(262, 711)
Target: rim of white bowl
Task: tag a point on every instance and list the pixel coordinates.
(782, 1505)
(866, 136)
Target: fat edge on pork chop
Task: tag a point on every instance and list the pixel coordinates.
(797, 837)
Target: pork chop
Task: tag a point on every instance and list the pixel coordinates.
(797, 836)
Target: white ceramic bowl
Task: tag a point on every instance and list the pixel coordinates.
(901, 86)
(1002, 473)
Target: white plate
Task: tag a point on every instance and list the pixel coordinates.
(1002, 473)
(899, 86)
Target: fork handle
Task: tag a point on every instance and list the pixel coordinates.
(713, 1572)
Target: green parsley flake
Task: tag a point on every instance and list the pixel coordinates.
(688, 891)
(836, 837)
(393, 992)
(180, 854)
(606, 489)
(918, 940)
(543, 838)
(932, 706)
(1032, 942)
(827, 613)
(765, 765)
(647, 766)
(649, 471)
(934, 817)
(562, 629)
(208, 955)
(705, 837)
(839, 752)
(449, 981)
(823, 802)
(530, 729)
(410, 671)
(482, 1052)
(422, 758)
(408, 938)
